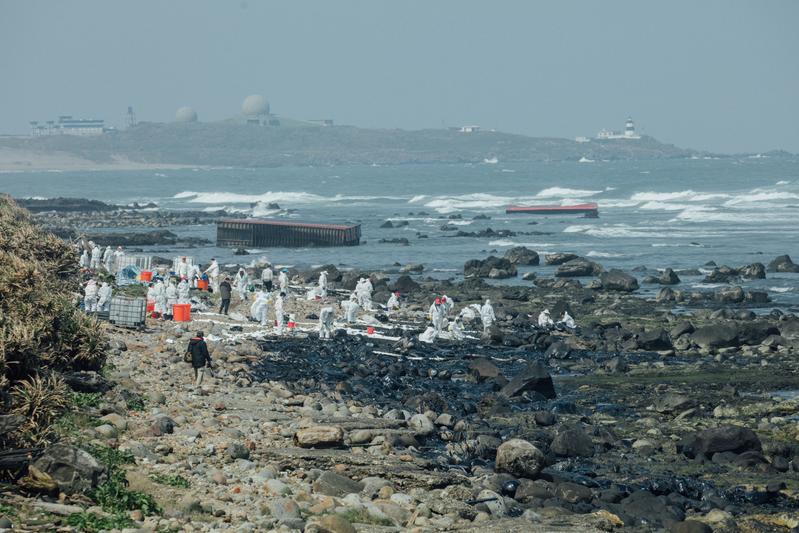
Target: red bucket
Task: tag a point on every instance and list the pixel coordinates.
(150, 306)
(181, 312)
(146, 275)
(202, 284)
(370, 330)
(290, 325)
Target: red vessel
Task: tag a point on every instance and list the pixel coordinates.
(590, 210)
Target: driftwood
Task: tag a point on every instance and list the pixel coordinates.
(18, 458)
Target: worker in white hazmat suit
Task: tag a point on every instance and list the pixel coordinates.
(487, 315)
(241, 283)
(279, 318)
(108, 258)
(104, 297)
(213, 274)
(183, 268)
(267, 277)
(567, 322)
(447, 304)
(545, 321)
(350, 308)
(325, 322)
(171, 296)
(160, 298)
(323, 284)
(151, 294)
(184, 291)
(90, 296)
(363, 291)
(260, 307)
(283, 281)
(97, 258)
(393, 302)
(85, 261)
(456, 329)
(436, 313)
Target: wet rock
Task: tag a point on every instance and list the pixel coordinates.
(716, 336)
(756, 332)
(673, 403)
(558, 258)
(74, 469)
(387, 225)
(405, 284)
(534, 377)
(332, 484)
(707, 442)
(649, 509)
(521, 255)
(87, 381)
(730, 295)
(680, 329)
(572, 442)
(484, 369)
(753, 271)
(519, 458)
(319, 436)
(655, 340)
(475, 268)
(665, 295)
(783, 263)
(616, 280)
(669, 277)
(416, 268)
(691, 526)
(578, 268)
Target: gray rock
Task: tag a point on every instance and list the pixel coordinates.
(716, 336)
(558, 258)
(74, 469)
(734, 439)
(421, 425)
(616, 280)
(319, 436)
(669, 277)
(87, 381)
(572, 442)
(519, 458)
(783, 263)
(534, 377)
(284, 509)
(578, 268)
(520, 255)
(236, 450)
(655, 339)
(162, 425)
(332, 484)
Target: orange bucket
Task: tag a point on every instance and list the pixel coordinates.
(146, 275)
(370, 330)
(202, 284)
(150, 306)
(181, 312)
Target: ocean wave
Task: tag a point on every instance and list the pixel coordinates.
(687, 195)
(483, 201)
(418, 198)
(561, 192)
(610, 231)
(712, 214)
(618, 203)
(780, 289)
(782, 182)
(760, 196)
(272, 197)
(502, 242)
(664, 206)
(607, 255)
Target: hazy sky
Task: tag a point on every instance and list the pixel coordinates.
(716, 75)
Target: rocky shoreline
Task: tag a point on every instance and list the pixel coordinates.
(640, 420)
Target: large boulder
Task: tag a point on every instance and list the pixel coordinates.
(405, 284)
(721, 335)
(534, 377)
(521, 255)
(519, 458)
(476, 268)
(577, 268)
(319, 436)
(669, 277)
(753, 271)
(87, 381)
(616, 280)
(783, 263)
(572, 442)
(731, 295)
(74, 469)
(484, 369)
(559, 258)
(332, 484)
(755, 332)
(655, 340)
(735, 439)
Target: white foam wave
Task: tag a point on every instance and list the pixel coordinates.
(609, 231)
(618, 203)
(664, 206)
(783, 182)
(288, 197)
(711, 214)
(780, 289)
(688, 195)
(561, 192)
(758, 196)
(418, 198)
(608, 255)
(502, 242)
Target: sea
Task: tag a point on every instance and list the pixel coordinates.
(652, 213)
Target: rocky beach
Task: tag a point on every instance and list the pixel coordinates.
(670, 413)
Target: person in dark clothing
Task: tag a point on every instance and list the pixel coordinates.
(225, 289)
(200, 358)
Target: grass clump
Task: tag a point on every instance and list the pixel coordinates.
(113, 495)
(135, 402)
(176, 480)
(42, 332)
(93, 523)
(83, 400)
(360, 516)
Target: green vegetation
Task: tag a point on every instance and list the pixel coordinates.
(176, 480)
(113, 495)
(86, 399)
(360, 516)
(93, 523)
(7, 510)
(135, 402)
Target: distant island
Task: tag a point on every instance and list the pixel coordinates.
(227, 143)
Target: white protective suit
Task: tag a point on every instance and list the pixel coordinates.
(447, 304)
(436, 313)
(183, 270)
(85, 262)
(283, 281)
(325, 322)
(487, 315)
(90, 296)
(160, 298)
(323, 284)
(567, 321)
(104, 297)
(97, 258)
(171, 296)
(194, 275)
(184, 292)
(350, 308)
(544, 320)
(281, 321)
(393, 303)
(456, 329)
(108, 258)
(267, 276)
(363, 290)
(241, 282)
(213, 274)
(260, 308)
(151, 294)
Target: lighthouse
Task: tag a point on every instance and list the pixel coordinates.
(629, 129)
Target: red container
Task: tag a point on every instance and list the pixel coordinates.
(202, 284)
(181, 312)
(370, 330)
(150, 306)
(146, 275)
